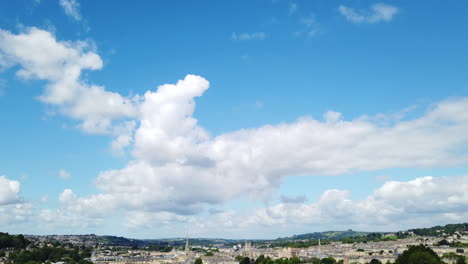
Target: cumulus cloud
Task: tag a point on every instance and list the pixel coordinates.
(14, 214)
(175, 161)
(395, 205)
(77, 211)
(12, 209)
(379, 12)
(177, 168)
(419, 202)
(61, 63)
(71, 8)
(248, 36)
(9, 191)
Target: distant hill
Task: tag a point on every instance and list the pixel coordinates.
(449, 229)
(327, 235)
(301, 240)
(119, 241)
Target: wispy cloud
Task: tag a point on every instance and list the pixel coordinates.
(292, 8)
(71, 8)
(377, 13)
(259, 104)
(65, 175)
(311, 26)
(248, 36)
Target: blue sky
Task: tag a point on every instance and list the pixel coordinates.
(287, 109)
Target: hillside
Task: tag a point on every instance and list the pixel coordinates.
(327, 235)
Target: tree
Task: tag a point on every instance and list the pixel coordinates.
(239, 258)
(443, 242)
(418, 255)
(422, 258)
(245, 260)
(198, 261)
(260, 259)
(295, 260)
(315, 260)
(375, 261)
(460, 260)
(328, 260)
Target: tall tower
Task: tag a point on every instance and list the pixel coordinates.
(319, 246)
(187, 249)
(247, 249)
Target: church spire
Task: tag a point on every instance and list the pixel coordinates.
(187, 249)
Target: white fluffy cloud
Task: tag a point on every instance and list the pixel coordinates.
(9, 191)
(61, 64)
(14, 214)
(71, 8)
(379, 12)
(12, 209)
(75, 211)
(424, 201)
(420, 202)
(178, 167)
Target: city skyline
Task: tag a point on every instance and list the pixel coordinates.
(245, 119)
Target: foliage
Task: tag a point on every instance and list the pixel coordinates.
(449, 229)
(375, 261)
(328, 260)
(52, 254)
(418, 255)
(315, 260)
(267, 260)
(300, 244)
(245, 260)
(160, 248)
(239, 258)
(458, 244)
(450, 255)
(371, 237)
(198, 261)
(12, 241)
(461, 260)
(328, 235)
(443, 242)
